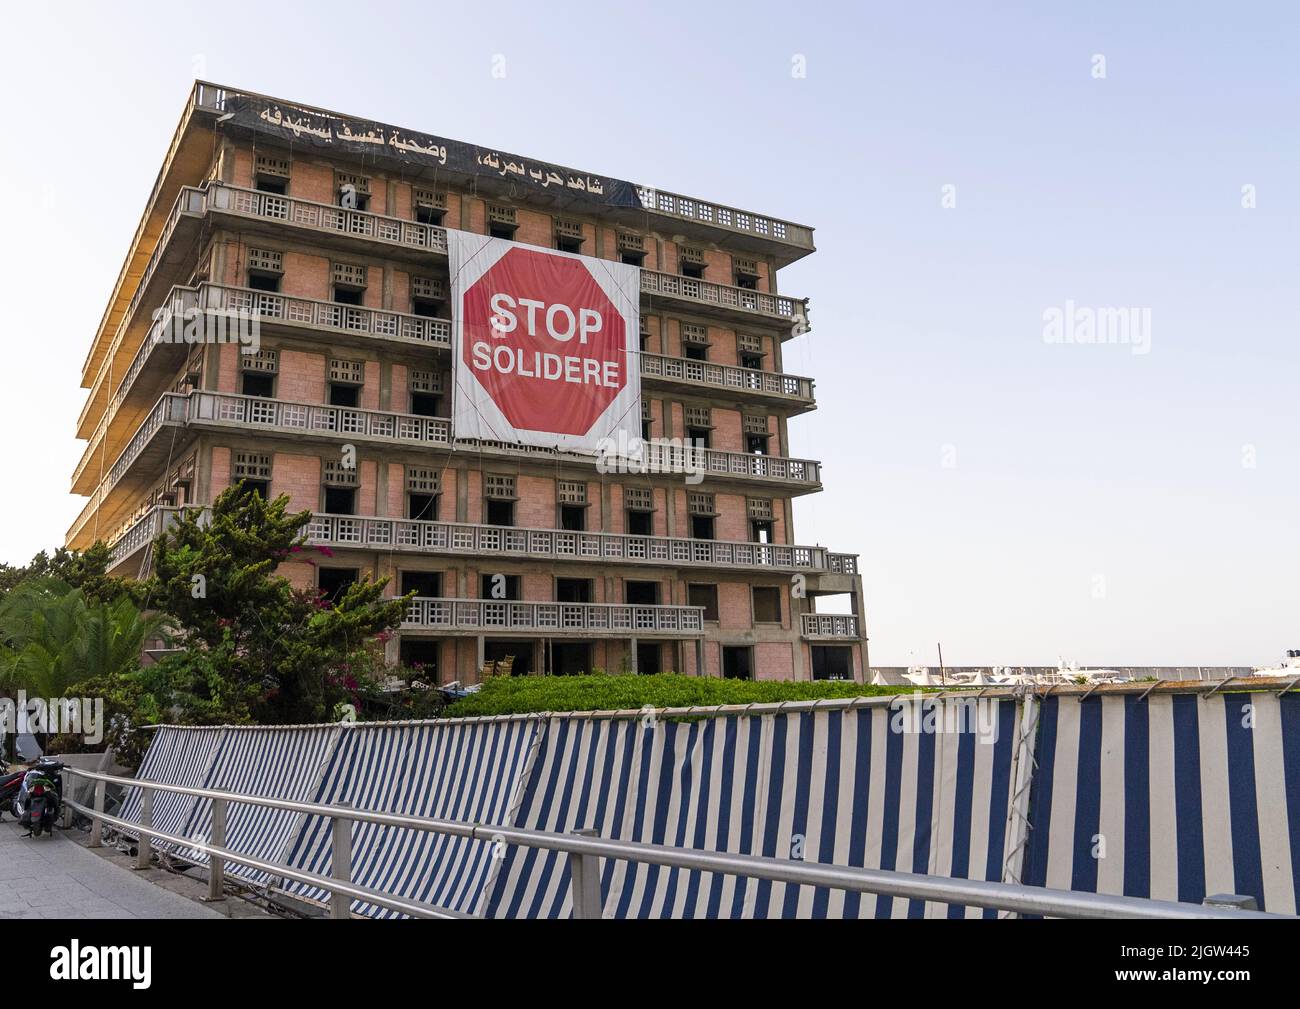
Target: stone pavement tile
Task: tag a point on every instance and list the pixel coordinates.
(56, 877)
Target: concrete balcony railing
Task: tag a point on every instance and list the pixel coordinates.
(690, 209)
(829, 625)
(705, 293)
(255, 413)
(327, 217)
(312, 313)
(324, 217)
(432, 537)
(487, 616)
(294, 418)
(666, 457)
(354, 532)
(727, 376)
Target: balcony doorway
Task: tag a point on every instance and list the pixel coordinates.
(570, 658)
(649, 657)
(499, 649)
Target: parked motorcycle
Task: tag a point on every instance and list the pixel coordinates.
(39, 798)
(10, 782)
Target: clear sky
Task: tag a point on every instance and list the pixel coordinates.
(1017, 499)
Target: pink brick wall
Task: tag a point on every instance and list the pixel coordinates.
(302, 377)
(773, 660)
(298, 476)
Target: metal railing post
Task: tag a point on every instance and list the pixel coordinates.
(144, 850)
(96, 822)
(341, 864)
(217, 864)
(584, 877)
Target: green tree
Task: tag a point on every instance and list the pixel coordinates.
(86, 570)
(53, 636)
(288, 654)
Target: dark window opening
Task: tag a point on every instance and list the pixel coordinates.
(500, 513)
(641, 523)
(767, 604)
(756, 444)
(573, 590)
(429, 215)
(272, 184)
(566, 244)
(347, 296)
(344, 395)
(641, 593)
(693, 270)
(491, 586)
(421, 654)
(259, 281)
(761, 530)
(426, 307)
(262, 488)
(422, 506)
(695, 352)
(698, 436)
(340, 500)
(254, 384)
(747, 281)
(426, 404)
(704, 595)
(632, 258)
(832, 662)
(333, 583)
(702, 527)
(573, 518)
(736, 662)
(506, 231)
(648, 658)
(422, 583)
(752, 361)
(570, 658)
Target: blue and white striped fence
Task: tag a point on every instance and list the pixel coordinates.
(1169, 795)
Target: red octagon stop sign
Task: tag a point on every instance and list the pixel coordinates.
(544, 341)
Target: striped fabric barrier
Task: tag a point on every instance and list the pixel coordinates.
(281, 761)
(837, 785)
(178, 755)
(459, 770)
(1172, 796)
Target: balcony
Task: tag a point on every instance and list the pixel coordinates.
(418, 536)
(768, 235)
(787, 390)
(833, 626)
(670, 458)
(327, 219)
(490, 616)
(686, 208)
(451, 538)
(219, 409)
(724, 299)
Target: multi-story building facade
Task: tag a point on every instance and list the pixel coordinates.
(332, 235)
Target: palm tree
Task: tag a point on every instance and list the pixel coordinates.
(51, 638)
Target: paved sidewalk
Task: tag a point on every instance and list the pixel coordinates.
(54, 877)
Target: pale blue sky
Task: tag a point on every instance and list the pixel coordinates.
(1098, 509)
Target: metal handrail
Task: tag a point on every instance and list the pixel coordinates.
(584, 851)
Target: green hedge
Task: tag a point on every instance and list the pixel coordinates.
(522, 694)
